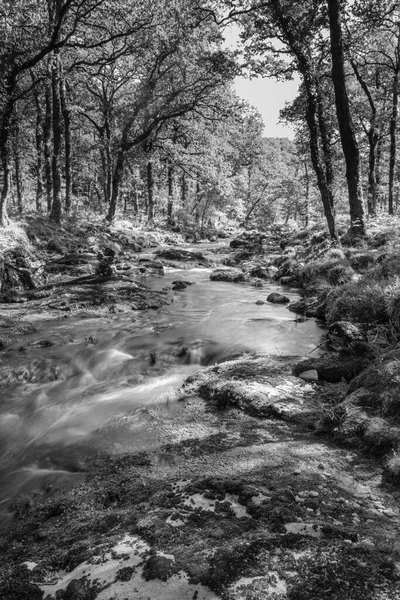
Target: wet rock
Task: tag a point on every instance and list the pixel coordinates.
(289, 280)
(276, 298)
(260, 302)
(181, 284)
(178, 254)
(231, 275)
(152, 266)
(260, 272)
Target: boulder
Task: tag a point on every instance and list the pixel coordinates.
(259, 386)
(153, 266)
(178, 254)
(181, 284)
(231, 275)
(276, 298)
(260, 272)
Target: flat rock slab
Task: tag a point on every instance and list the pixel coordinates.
(265, 391)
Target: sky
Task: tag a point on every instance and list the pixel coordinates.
(269, 97)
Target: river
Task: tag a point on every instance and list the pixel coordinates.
(101, 373)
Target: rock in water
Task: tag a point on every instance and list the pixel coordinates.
(277, 298)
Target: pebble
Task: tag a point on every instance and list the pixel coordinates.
(366, 544)
(321, 466)
(313, 494)
(369, 521)
(259, 302)
(311, 375)
(389, 512)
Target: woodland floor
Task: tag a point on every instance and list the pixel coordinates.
(238, 499)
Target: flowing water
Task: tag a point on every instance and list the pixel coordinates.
(86, 395)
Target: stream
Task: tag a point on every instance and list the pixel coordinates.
(86, 393)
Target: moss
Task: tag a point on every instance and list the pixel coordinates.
(360, 261)
(340, 572)
(358, 302)
(339, 274)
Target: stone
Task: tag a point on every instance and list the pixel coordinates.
(259, 302)
(230, 275)
(311, 375)
(276, 298)
(181, 284)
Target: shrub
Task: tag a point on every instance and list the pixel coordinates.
(340, 274)
(331, 269)
(361, 261)
(359, 301)
(387, 266)
(392, 300)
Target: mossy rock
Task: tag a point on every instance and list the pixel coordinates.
(230, 275)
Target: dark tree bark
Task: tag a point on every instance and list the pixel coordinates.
(150, 191)
(18, 165)
(47, 143)
(183, 190)
(66, 112)
(6, 156)
(116, 183)
(39, 139)
(393, 128)
(56, 208)
(346, 127)
(319, 166)
(170, 193)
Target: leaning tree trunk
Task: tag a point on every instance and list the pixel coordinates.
(56, 208)
(346, 127)
(322, 180)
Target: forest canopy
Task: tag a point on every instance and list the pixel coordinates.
(115, 105)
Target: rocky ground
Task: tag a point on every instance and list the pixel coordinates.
(268, 477)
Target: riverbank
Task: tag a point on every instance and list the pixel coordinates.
(257, 483)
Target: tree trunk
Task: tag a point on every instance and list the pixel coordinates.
(346, 128)
(56, 208)
(393, 131)
(39, 150)
(183, 190)
(170, 193)
(66, 112)
(150, 191)
(18, 167)
(5, 154)
(116, 184)
(371, 198)
(317, 163)
(47, 145)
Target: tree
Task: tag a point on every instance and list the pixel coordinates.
(346, 127)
